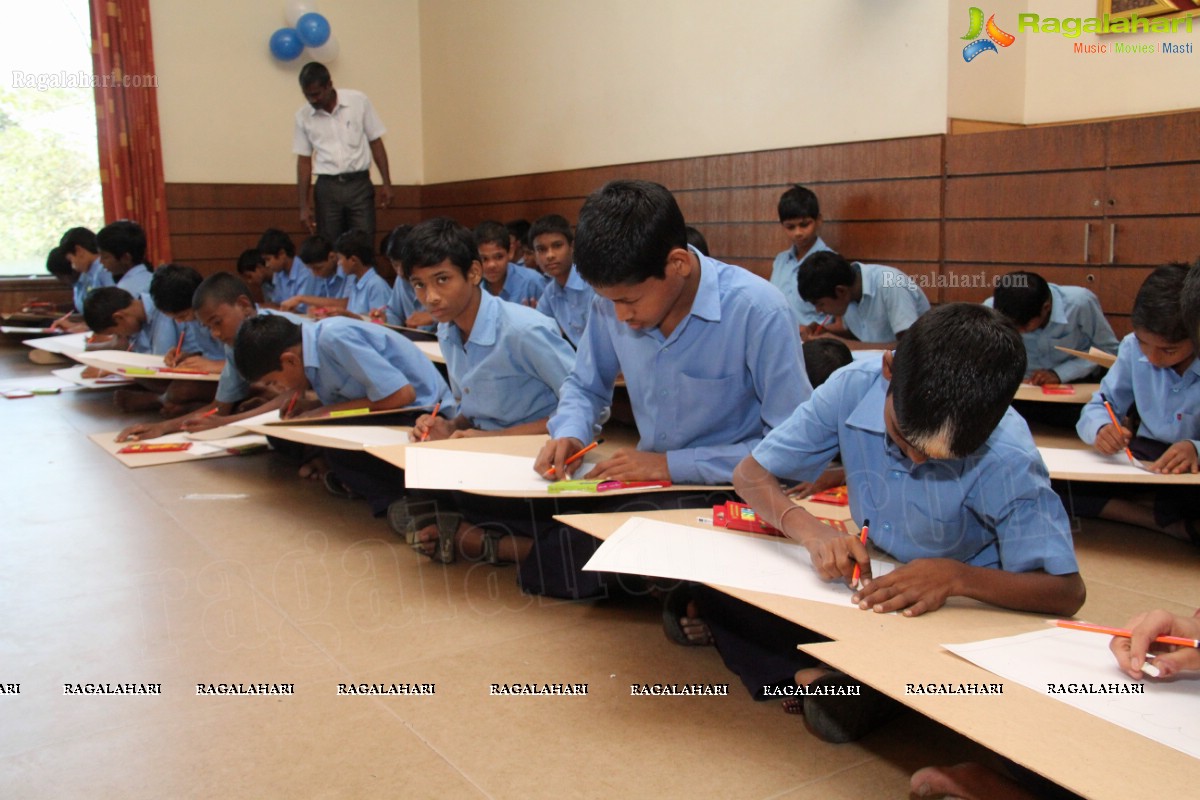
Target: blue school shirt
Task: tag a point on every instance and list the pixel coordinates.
(348, 359)
(784, 277)
(568, 305)
(993, 508)
(1076, 321)
(366, 292)
(521, 284)
(510, 370)
(890, 304)
(333, 286)
(136, 281)
(1167, 402)
(729, 372)
(159, 334)
(197, 339)
(297, 280)
(95, 278)
(403, 303)
(232, 385)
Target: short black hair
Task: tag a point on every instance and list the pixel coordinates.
(250, 260)
(173, 286)
(1189, 303)
(550, 223)
(491, 232)
(954, 375)
(58, 265)
(1020, 296)
(519, 228)
(260, 343)
(121, 237)
(696, 239)
(395, 241)
(273, 240)
(315, 249)
(222, 289)
(823, 356)
(314, 72)
(821, 273)
(356, 243)
(626, 231)
(101, 304)
(798, 202)
(79, 237)
(1157, 308)
(436, 240)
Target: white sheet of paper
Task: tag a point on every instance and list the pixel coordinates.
(778, 566)
(365, 435)
(432, 350)
(1065, 460)
(1168, 712)
(20, 330)
(34, 383)
(235, 428)
(74, 376)
(65, 344)
(464, 470)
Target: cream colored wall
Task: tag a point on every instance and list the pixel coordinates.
(1062, 85)
(226, 106)
(533, 85)
(992, 86)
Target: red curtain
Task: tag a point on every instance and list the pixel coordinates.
(131, 171)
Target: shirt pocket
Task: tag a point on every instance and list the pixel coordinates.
(701, 409)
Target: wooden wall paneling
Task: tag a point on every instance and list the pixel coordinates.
(1024, 241)
(18, 292)
(1026, 195)
(919, 156)
(1158, 139)
(1069, 147)
(883, 242)
(1151, 241)
(1161, 189)
(974, 282)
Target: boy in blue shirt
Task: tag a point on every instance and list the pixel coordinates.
(948, 476)
(877, 304)
(567, 298)
(800, 216)
(289, 275)
(710, 354)
(349, 364)
(254, 273)
(1157, 372)
(122, 251)
(363, 290)
(403, 308)
(80, 248)
(503, 278)
(172, 290)
(328, 278)
(1050, 316)
(506, 364)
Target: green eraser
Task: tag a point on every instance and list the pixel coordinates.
(572, 486)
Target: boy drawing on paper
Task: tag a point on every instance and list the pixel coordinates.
(328, 278)
(403, 308)
(800, 216)
(503, 278)
(1157, 372)
(948, 476)
(254, 273)
(289, 275)
(172, 289)
(506, 364)
(1050, 316)
(122, 251)
(80, 248)
(567, 297)
(876, 304)
(363, 289)
(709, 351)
(349, 364)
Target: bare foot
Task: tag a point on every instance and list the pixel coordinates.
(966, 781)
(809, 674)
(695, 628)
(314, 470)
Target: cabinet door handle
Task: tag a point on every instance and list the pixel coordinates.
(1112, 243)
(1087, 236)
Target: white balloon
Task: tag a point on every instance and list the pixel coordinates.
(327, 52)
(293, 10)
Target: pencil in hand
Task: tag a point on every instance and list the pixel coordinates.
(862, 538)
(436, 408)
(1113, 416)
(550, 472)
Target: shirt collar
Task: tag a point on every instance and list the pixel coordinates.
(707, 302)
(487, 321)
(575, 280)
(308, 343)
(1058, 306)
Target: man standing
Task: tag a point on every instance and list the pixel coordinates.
(337, 134)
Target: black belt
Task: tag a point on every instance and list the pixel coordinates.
(346, 177)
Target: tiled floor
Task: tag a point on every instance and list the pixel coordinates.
(113, 575)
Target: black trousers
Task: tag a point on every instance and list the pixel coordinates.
(344, 204)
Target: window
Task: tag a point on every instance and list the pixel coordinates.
(49, 169)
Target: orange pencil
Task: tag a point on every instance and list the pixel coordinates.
(821, 325)
(437, 407)
(1113, 416)
(577, 456)
(1178, 641)
(291, 405)
(210, 412)
(862, 537)
(179, 347)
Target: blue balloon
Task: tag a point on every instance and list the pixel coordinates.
(286, 44)
(313, 29)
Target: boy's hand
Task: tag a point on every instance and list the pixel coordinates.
(628, 464)
(143, 430)
(1112, 439)
(913, 589)
(379, 314)
(555, 454)
(436, 427)
(92, 373)
(1042, 377)
(290, 304)
(1131, 653)
(834, 555)
(829, 479)
(419, 320)
(1180, 457)
(199, 363)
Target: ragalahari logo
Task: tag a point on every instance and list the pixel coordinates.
(995, 36)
